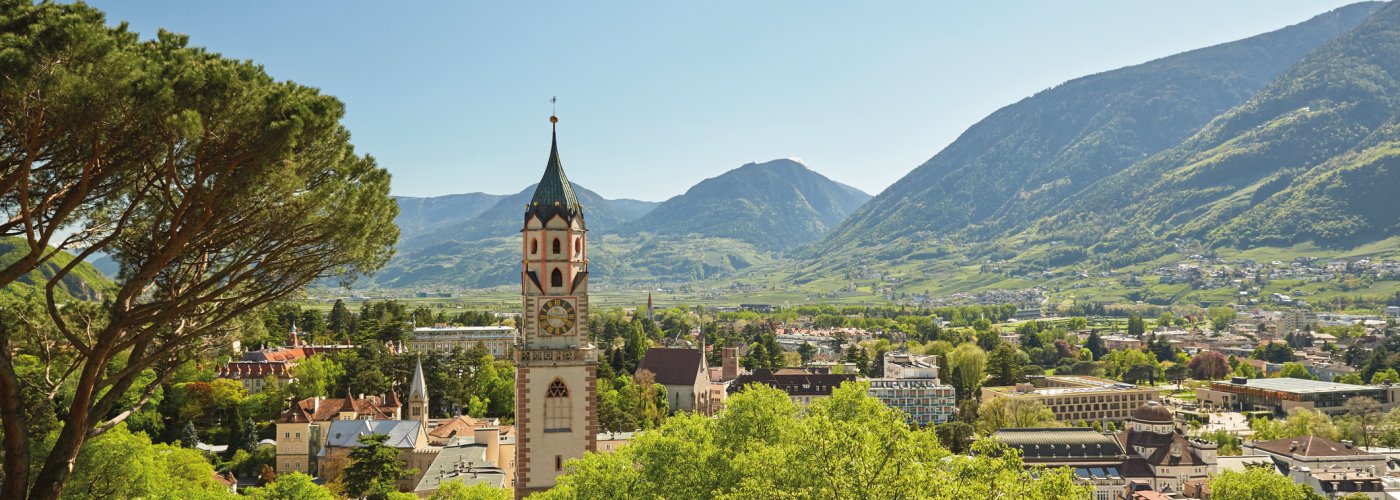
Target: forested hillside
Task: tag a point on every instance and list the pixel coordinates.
(1311, 158)
(1047, 150)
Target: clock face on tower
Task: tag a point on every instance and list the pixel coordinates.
(557, 317)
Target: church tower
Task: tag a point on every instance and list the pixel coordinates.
(555, 397)
(418, 396)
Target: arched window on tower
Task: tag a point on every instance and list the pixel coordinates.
(557, 408)
(578, 245)
(556, 278)
(534, 246)
(556, 245)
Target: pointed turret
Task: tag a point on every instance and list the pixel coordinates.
(418, 395)
(554, 195)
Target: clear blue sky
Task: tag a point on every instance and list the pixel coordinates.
(453, 97)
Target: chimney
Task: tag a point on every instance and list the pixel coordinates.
(491, 437)
(730, 363)
(315, 404)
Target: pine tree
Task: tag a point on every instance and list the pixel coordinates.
(374, 467)
(188, 437)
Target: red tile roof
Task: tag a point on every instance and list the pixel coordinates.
(254, 369)
(324, 409)
(460, 426)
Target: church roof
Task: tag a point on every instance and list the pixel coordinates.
(794, 383)
(674, 366)
(1154, 449)
(554, 194)
(1153, 412)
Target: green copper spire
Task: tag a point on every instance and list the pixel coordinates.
(554, 195)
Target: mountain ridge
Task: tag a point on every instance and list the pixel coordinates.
(1026, 158)
(775, 205)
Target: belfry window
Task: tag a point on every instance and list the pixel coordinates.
(534, 246)
(556, 278)
(556, 245)
(578, 245)
(556, 407)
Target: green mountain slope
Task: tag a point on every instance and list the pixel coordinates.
(633, 209)
(85, 282)
(420, 215)
(1034, 156)
(718, 228)
(775, 205)
(505, 217)
(1312, 158)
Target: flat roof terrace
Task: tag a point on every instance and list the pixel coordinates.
(1291, 385)
(1055, 385)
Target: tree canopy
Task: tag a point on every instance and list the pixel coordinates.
(215, 189)
(1257, 483)
(852, 445)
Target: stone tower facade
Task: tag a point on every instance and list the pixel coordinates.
(555, 397)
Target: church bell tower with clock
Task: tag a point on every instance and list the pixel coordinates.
(555, 397)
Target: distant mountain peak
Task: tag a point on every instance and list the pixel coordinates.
(775, 205)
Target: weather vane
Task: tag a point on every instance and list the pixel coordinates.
(553, 108)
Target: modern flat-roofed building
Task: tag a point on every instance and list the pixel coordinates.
(500, 340)
(1282, 394)
(1079, 398)
(911, 385)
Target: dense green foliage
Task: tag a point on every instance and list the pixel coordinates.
(213, 187)
(374, 468)
(1258, 483)
(122, 464)
(850, 446)
(455, 490)
(294, 486)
